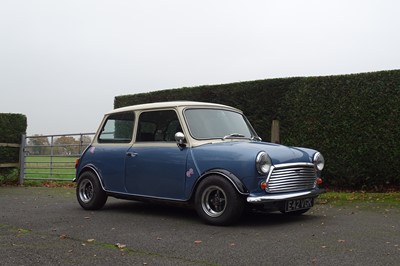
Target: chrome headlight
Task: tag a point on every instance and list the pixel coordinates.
(319, 161)
(263, 163)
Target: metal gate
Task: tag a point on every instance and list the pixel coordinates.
(51, 157)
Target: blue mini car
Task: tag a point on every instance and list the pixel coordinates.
(202, 154)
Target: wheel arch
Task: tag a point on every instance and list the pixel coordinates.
(90, 168)
(233, 179)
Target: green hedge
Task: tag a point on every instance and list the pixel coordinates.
(12, 127)
(352, 119)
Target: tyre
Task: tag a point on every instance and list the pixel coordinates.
(217, 202)
(89, 192)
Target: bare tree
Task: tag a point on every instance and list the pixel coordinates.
(38, 145)
(66, 145)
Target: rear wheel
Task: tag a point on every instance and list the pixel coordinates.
(89, 192)
(217, 202)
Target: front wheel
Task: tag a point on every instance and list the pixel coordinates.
(89, 192)
(217, 202)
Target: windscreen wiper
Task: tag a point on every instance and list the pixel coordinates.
(257, 138)
(233, 136)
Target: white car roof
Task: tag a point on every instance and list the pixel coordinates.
(160, 105)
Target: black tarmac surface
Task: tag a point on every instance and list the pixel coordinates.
(46, 226)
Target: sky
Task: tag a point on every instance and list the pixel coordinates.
(63, 62)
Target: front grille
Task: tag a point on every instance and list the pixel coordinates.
(292, 178)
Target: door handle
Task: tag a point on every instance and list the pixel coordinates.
(131, 154)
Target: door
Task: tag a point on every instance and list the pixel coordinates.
(108, 153)
(155, 165)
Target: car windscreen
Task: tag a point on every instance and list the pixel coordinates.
(216, 123)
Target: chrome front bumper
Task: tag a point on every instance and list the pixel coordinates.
(285, 196)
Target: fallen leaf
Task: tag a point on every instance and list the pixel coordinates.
(22, 231)
(63, 236)
(341, 241)
(120, 246)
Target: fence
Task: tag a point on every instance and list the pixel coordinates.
(9, 165)
(51, 157)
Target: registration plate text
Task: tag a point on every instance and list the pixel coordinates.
(299, 204)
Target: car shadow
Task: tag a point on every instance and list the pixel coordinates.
(188, 214)
(163, 211)
(251, 218)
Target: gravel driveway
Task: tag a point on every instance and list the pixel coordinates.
(46, 226)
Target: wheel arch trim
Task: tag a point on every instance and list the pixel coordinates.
(93, 169)
(233, 179)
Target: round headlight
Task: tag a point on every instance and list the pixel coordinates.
(319, 161)
(263, 163)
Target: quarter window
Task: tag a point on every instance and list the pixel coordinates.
(118, 128)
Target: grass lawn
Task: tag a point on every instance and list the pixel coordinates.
(361, 199)
(46, 167)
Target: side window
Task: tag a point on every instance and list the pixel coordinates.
(118, 128)
(158, 126)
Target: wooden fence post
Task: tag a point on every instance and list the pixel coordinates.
(275, 138)
(22, 160)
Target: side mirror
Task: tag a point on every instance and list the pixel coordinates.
(180, 139)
